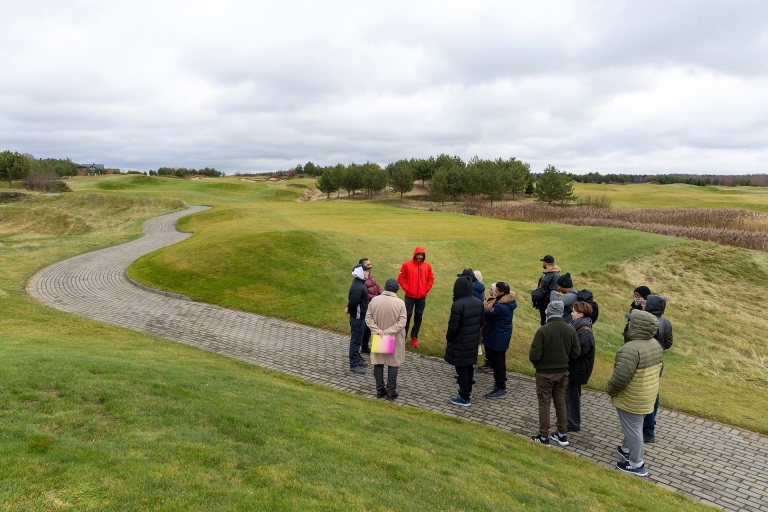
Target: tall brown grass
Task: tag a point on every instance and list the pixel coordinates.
(738, 228)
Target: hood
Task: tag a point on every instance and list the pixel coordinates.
(417, 250)
(642, 325)
(655, 304)
(358, 273)
(555, 268)
(462, 288)
(507, 298)
(584, 321)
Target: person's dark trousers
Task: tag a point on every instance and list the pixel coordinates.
(543, 315)
(464, 379)
(498, 362)
(392, 380)
(365, 346)
(355, 340)
(573, 406)
(378, 375)
(391, 387)
(649, 421)
(414, 308)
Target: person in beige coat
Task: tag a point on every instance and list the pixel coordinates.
(387, 315)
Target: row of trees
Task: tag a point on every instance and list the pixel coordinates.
(181, 172)
(449, 179)
(700, 180)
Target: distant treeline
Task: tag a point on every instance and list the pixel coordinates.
(700, 180)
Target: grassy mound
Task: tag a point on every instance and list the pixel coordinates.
(97, 417)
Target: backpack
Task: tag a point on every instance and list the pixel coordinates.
(586, 296)
(539, 297)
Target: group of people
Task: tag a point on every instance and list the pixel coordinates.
(562, 351)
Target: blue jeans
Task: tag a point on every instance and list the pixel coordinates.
(649, 422)
(356, 327)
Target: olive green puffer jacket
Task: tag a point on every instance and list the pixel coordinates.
(635, 381)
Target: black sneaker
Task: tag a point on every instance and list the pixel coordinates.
(560, 439)
(627, 468)
(624, 455)
(540, 439)
(496, 393)
(357, 370)
(391, 395)
(381, 393)
(649, 440)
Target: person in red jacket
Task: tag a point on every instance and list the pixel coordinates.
(416, 280)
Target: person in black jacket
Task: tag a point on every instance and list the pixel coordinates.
(656, 305)
(579, 368)
(548, 283)
(463, 337)
(357, 306)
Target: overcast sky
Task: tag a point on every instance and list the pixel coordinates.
(607, 86)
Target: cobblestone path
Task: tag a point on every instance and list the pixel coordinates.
(711, 462)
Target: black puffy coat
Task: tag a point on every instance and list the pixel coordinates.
(581, 367)
(463, 334)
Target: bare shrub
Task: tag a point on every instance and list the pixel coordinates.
(44, 181)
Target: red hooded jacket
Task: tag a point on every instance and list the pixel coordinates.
(416, 279)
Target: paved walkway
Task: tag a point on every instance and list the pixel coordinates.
(711, 462)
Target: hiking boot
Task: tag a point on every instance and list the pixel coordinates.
(414, 343)
(540, 439)
(457, 400)
(381, 392)
(627, 468)
(623, 454)
(357, 370)
(649, 440)
(560, 439)
(496, 393)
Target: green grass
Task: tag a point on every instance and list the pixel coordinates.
(292, 260)
(648, 195)
(97, 417)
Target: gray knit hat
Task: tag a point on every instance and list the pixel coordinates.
(555, 308)
(391, 285)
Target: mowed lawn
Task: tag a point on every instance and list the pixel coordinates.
(100, 418)
(292, 260)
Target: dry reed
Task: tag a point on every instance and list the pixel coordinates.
(738, 228)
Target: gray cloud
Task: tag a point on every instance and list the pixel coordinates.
(607, 86)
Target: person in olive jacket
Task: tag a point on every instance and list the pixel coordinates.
(554, 345)
(580, 368)
(497, 334)
(634, 385)
(463, 337)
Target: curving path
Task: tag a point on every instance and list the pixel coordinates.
(711, 462)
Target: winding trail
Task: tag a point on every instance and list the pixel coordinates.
(711, 462)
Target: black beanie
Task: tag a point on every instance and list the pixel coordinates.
(564, 280)
(643, 291)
